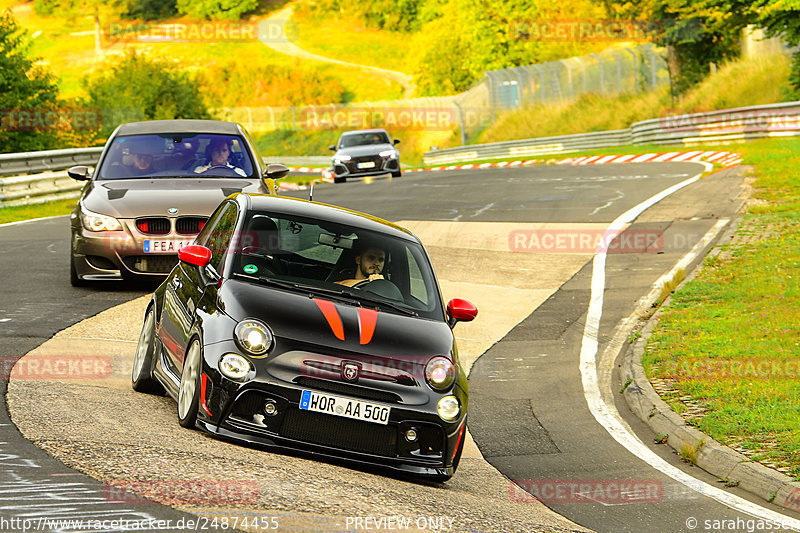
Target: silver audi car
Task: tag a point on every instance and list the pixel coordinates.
(152, 190)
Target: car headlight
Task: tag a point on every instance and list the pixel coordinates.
(97, 222)
(391, 154)
(234, 366)
(448, 408)
(340, 158)
(440, 373)
(253, 337)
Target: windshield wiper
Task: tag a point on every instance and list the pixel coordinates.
(344, 295)
(381, 302)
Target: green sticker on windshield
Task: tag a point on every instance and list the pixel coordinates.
(250, 269)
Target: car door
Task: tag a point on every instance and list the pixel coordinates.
(185, 286)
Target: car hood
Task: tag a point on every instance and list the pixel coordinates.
(336, 325)
(131, 198)
(369, 149)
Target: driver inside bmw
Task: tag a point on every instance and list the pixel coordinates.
(218, 151)
(369, 266)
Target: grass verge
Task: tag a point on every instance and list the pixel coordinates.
(729, 341)
(28, 212)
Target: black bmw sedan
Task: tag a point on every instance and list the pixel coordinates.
(294, 324)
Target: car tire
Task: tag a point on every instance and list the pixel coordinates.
(146, 350)
(74, 279)
(339, 180)
(189, 391)
(397, 174)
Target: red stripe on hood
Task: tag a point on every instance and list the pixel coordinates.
(332, 316)
(366, 324)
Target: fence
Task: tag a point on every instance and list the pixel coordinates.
(625, 70)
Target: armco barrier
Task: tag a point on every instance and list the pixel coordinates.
(727, 125)
(29, 162)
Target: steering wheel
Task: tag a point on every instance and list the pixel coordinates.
(381, 287)
(225, 170)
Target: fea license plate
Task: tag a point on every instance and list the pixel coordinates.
(164, 246)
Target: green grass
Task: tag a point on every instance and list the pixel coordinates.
(348, 40)
(730, 338)
(28, 212)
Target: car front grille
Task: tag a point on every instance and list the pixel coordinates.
(339, 432)
(151, 264)
(153, 225)
(190, 225)
(353, 166)
(348, 390)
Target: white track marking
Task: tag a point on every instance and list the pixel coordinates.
(31, 220)
(607, 416)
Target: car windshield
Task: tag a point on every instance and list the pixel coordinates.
(364, 138)
(311, 255)
(175, 154)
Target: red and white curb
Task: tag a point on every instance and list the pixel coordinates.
(724, 159)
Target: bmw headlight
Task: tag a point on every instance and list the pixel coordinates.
(253, 336)
(97, 222)
(448, 408)
(440, 373)
(234, 366)
(391, 154)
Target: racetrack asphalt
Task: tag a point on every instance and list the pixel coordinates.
(87, 424)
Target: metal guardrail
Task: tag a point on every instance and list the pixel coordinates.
(727, 125)
(29, 162)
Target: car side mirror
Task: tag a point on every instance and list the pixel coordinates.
(396, 141)
(80, 173)
(195, 254)
(276, 171)
(459, 310)
(332, 147)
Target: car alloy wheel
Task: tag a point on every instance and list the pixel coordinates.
(141, 376)
(189, 392)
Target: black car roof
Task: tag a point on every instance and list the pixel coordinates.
(179, 126)
(339, 215)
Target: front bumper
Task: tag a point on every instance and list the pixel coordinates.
(382, 165)
(237, 412)
(114, 255)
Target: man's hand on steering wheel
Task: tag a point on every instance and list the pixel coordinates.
(372, 277)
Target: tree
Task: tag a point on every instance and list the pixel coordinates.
(99, 10)
(28, 94)
(137, 88)
(216, 9)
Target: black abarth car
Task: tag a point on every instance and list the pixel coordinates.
(365, 153)
(264, 333)
(153, 188)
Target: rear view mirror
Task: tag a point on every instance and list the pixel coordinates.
(336, 241)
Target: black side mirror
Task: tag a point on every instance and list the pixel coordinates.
(396, 141)
(332, 147)
(80, 173)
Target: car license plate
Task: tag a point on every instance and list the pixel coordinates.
(164, 246)
(347, 407)
(366, 164)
